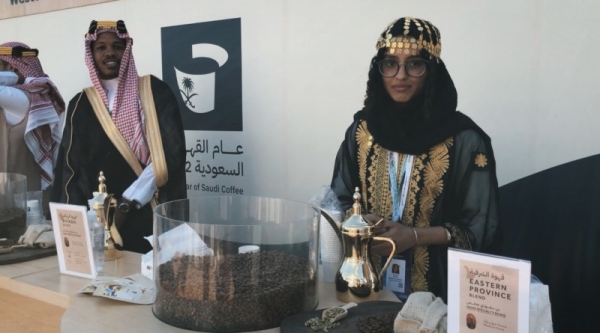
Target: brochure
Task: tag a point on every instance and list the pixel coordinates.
(73, 241)
(135, 288)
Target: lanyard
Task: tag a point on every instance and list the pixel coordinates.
(399, 199)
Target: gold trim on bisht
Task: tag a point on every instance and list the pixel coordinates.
(429, 38)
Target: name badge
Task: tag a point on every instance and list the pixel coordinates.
(397, 275)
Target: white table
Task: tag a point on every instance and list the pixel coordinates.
(101, 315)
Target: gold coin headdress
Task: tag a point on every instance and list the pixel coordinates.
(409, 36)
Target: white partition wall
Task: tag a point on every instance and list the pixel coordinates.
(526, 72)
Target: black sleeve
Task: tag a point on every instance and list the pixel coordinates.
(69, 183)
(475, 195)
(345, 171)
(173, 140)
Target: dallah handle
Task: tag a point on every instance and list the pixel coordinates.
(391, 253)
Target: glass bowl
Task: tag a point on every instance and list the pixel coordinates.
(234, 263)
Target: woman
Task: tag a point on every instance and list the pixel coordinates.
(426, 172)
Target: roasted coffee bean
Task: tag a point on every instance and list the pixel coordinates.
(382, 323)
(233, 293)
(13, 222)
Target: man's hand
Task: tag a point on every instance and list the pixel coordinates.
(120, 218)
(21, 79)
(6, 67)
(124, 208)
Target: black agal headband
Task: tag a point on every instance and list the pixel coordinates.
(117, 25)
(18, 51)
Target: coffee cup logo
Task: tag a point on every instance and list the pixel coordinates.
(198, 90)
(202, 64)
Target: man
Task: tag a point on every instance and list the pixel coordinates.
(30, 106)
(109, 128)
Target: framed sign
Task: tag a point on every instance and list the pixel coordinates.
(73, 240)
(487, 294)
(16, 8)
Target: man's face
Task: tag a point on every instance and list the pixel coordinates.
(5, 66)
(107, 51)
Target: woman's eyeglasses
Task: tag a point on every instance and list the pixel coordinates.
(413, 68)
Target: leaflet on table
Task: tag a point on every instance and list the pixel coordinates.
(73, 241)
(135, 288)
(179, 241)
(487, 294)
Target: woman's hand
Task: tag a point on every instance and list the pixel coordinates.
(401, 235)
(373, 218)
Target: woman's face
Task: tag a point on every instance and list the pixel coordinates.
(402, 87)
(107, 51)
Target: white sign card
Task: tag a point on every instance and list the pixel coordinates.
(487, 294)
(73, 240)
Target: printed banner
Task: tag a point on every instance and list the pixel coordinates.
(16, 8)
(202, 63)
(217, 163)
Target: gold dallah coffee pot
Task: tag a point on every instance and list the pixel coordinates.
(357, 279)
(105, 204)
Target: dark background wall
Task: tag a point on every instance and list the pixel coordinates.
(552, 218)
